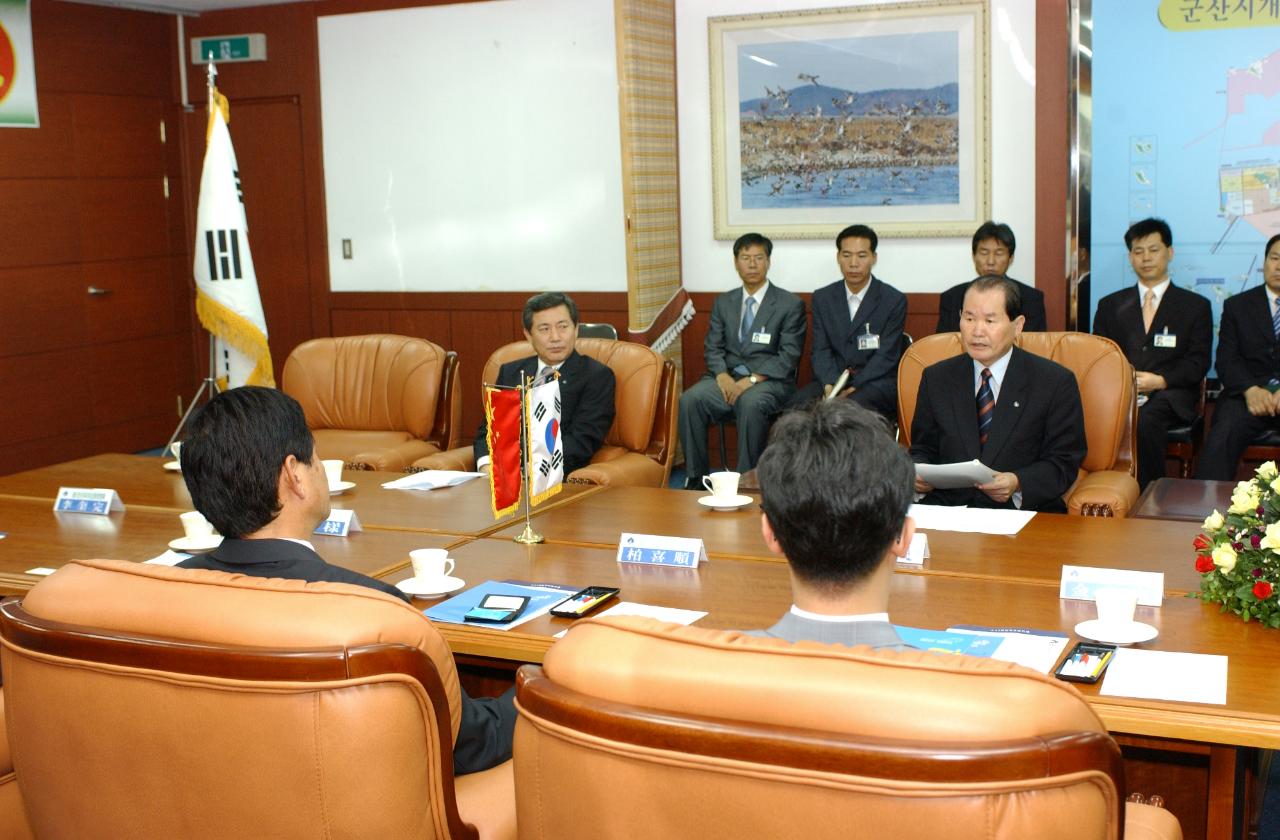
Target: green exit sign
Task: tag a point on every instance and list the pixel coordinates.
(223, 48)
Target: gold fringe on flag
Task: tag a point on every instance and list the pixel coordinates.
(240, 333)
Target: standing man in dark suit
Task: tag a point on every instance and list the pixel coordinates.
(836, 488)
(586, 386)
(1248, 366)
(1166, 333)
(250, 464)
(993, 247)
(1017, 413)
(752, 350)
(857, 327)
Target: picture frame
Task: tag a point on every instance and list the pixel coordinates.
(874, 114)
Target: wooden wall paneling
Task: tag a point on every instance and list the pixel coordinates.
(140, 303)
(93, 49)
(117, 136)
(476, 334)
(43, 152)
(143, 432)
(38, 222)
(42, 308)
(1053, 157)
(43, 395)
(358, 322)
(133, 379)
(432, 324)
(28, 454)
(122, 218)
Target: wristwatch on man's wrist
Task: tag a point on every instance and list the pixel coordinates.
(753, 379)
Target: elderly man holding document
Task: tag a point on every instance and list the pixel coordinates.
(1013, 411)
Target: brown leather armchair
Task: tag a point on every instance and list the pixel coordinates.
(13, 815)
(378, 402)
(641, 729)
(640, 445)
(1106, 485)
(148, 701)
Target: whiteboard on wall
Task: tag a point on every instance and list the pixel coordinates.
(473, 147)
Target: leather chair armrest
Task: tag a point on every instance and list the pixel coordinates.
(630, 469)
(1147, 822)
(394, 458)
(13, 815)
(462, 459)
(1103, 493)
(6, 757)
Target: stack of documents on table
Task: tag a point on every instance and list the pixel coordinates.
(972, 520)
(1038, 649)
(542, 597)
(431, 480)
(1166, 675)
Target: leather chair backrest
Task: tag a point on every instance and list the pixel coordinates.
(629, 718)
(1103, 373)
(637, 372)
(154, 749)
(367, 382)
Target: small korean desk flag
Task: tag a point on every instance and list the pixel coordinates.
(227, 301)
(546, 452)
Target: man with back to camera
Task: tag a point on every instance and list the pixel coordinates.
(1166, 333)
(752, 349)
(857, 327)
(250, 464)
(836, 488)
(1018, 413)
(1248, 365)
(993, 247)
(586, 386)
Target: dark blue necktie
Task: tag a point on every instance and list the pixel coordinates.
(1275, 320)
(986, 406)
(748, 317)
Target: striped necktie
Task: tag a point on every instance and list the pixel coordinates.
(748, 317)
(986, 406)
(1275, 320)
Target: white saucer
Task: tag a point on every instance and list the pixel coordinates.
(190, 544)
(430, 588)
(1116, 634)
(727, 503)
(173, 466)
(340, 487)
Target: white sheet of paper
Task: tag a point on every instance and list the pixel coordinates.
(971, 520)
(1167, 675)
(431, 480)
(675, 616)
(169, 558)
(951, 476)
(918, 551)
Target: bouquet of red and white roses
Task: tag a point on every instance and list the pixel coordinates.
(1238, 555)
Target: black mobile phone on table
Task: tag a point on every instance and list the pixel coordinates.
(583, 602)
(1086, 662)
(498, 609)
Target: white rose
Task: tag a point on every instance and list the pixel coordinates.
(1224, 557)
(1268, 471)
(1272, 538)
(1245, 498)
(1214, 521)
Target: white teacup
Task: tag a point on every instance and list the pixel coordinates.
(195, 526)
(723, 484)
(431, 563)
(176, 449)
(1116, 606)
(333, 471)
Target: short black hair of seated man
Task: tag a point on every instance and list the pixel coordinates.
(250, 464)
(836, 488)
(989, 241)
(747, 240)
(1035, 441)
(843, 342)
(1248, 366)
(544, 301)
(1170, 359)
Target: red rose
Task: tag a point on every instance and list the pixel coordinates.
(1262, 590)
(1201, 542)
(1204, 564)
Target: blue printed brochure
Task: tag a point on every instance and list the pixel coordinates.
(542, 597)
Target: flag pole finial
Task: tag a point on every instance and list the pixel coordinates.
(211, 75)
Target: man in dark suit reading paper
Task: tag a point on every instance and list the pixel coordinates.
(1017, 413)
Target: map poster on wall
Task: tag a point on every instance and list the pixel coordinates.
(1186, 127)
(17, 66)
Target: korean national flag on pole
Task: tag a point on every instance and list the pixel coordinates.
(546, 452)
(227, 301)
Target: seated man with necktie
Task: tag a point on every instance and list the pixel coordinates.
(250, 464)
(1166, 333)
(1248, 365)
(857, 328)
(993, 246)
(586, 386)
(1017, 413)
(836, 488)
(752, 350)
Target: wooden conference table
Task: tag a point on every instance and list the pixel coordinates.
(969, 578)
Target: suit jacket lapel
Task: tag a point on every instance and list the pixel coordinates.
(1129, 319)
(964, 404)
(735, 320)
(1013, 393)
(1262, 318)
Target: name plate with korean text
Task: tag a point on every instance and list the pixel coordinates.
(655, 550)
(1081, 582)
(99, 501)
(340, 523)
